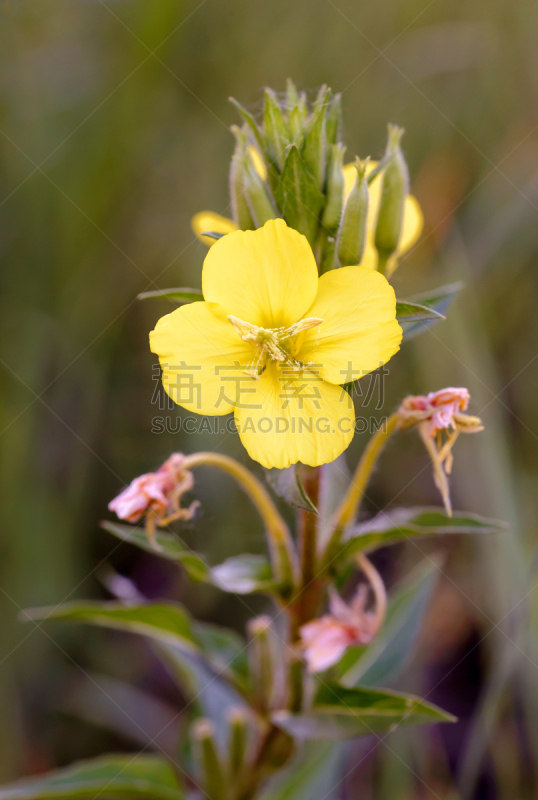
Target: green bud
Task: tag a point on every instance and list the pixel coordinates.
(256, 192)
(334, 120)
(335, 189)
(209, 764)
(394, 190)
(352, 233)
(261, 660)
(292, 95)
(276, 130)
(238, 740)
(315, 145)
(240, 210)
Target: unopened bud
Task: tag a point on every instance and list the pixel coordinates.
(315, 145)
(275, 129)
(335, 189)
(334, 120)
(238, 740)
(211, 773)
(352, 233)
(257, 194)
(261, 661)
(394, 190)
(240, 210)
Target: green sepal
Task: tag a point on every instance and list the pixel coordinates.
(315, 143)
(298, 196)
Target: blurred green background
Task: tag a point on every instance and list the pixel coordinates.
(113, 131)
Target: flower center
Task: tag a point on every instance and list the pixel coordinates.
(275, 344)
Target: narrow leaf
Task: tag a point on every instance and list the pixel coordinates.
(170, 547)
(437, 300)
(178, 295)
(314, 774)
(340, 713)
(126, 776)
(213, 234)
(166, 622)
(244, 574)
(387, 656)
(404, 523)
(414, 312)
(284, 483)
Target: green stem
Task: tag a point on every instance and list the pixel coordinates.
(281, 547)
(346, 513)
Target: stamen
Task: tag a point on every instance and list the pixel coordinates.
(272, 342)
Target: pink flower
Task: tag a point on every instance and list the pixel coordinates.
(325, 640)
(435, 414)
(441, 410)
(156, 495)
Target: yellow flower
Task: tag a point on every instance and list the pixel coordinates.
(272, 343)
(412, 221)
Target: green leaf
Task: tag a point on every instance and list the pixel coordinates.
(126, 776)
(170, 547)
(213, 234)
(165, 622)
(437, 300)
(400, 524)
(386, 657)
(315, 774)
(298, 196)
(287, 485)
(340, 713)
(414, 312)
(244, 574)
(334, 483)
(178, 295)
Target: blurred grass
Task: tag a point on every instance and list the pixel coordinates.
(113, 119)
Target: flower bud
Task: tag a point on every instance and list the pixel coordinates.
(394, 190)
(238, 740)
(276, 130)
(298, 117)
(261, 659)
(257, 194)
(315, 146)
(240, 210)
(352, 233)
(211, 773)
(334, 120)
(335, 189)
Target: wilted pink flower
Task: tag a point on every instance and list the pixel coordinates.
(435, 414)
(440, 410)
(325, 640)
(157, 496)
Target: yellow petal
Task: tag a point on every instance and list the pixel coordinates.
(413, 220)
(266, 277)
(211, 222)
(202, 358)
(359, 331)
(296, 417)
